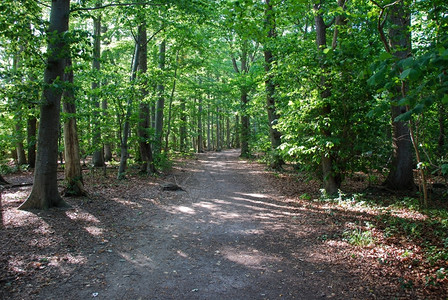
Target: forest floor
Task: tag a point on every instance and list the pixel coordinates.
(237, 231)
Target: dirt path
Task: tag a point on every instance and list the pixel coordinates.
(228, 236)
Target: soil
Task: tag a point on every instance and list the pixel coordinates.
(235, 231)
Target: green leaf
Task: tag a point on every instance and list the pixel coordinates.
(385, 56)
(445, 99)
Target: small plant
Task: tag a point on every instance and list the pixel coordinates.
(358, 237)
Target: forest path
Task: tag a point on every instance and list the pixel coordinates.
(227, 236)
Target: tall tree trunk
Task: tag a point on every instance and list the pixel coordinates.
(144, 115)
(183, 125)
(200, 137)
(21, 157)
(442, 116)
(218, 131)
(228, 132)
(44, 193)
(209, 139)
(31, 140)
(401, 176)
(73, 172)
(330, 178)
(237, 132)
(269, 59)
(126, 127)
(245, 126)
(98, 154)
(160, 101)
(171, 102)
(107, 144)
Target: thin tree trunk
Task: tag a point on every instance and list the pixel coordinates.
(183, 124)
(126, 127)
(442, 136)
(209, 145)
(160, 101)
(44, 193)
(218, 131)
(171, 103)
(73, 173)
(200, 137)
(228, 132)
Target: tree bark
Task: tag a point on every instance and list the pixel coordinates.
(171, 102)
(200, 137)
(160, 101)
(73, 173)
(401, 176)
(269, 59)
(31, 140)
(44, 193)
(144, 115)
(183, 126)
(98, 154)
(126, 127)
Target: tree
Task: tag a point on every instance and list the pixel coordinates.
(269, 58)
(401, 176)
(98, 154)
(74, 185)
(44, 193)
(331, 179)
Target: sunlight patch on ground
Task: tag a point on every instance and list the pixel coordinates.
(249, 258)
(254, 195)
(185, 210)
(139, 259)
(95, 231)
(78, 215)
(127, 203)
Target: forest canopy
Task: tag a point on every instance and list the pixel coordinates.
(334, 88)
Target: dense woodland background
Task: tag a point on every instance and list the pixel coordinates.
(333, 87)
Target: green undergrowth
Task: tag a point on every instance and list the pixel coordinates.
(398, 220)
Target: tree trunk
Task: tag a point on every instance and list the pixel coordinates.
(330, 178)
(218, 131)
(237, 132)
(21, 157)
(200, 137)
(442, 116)
(98, 154)
(31, 140)
(183, 126)
(245, 126)
(73, 173)
(401, 176)
(45, 192)
(126, 127)
(228, 132)
(209, 139)
(269, 59)
(107, 144)
(171, 102)
(160, 101)
(144, 115)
